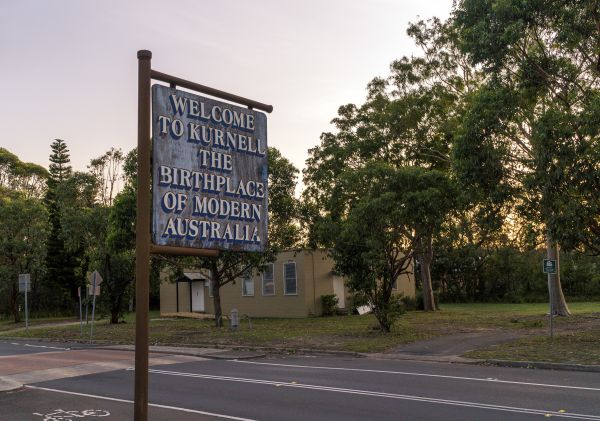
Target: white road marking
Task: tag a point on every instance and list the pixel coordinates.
(410, 373)
(381, 394)
(46, 346)
(108, 398)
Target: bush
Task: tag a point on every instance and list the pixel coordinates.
(410, 303)
(420, 304)
(388, 313)
(329, 304)
(357, 300)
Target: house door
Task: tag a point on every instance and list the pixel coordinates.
(198, 296)
(338, 290)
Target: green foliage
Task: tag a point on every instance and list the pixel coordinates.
(25, 177)
(533, 124)
(382, 233)
(60, 167)
(407, 123)
(64, 247)
(121, 235)
(23, 231)
(329, 304)
(284, 231)
(410, 303)
(506, 274)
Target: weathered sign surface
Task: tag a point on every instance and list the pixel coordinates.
(94, 277)
(209, 173)
(24, 282)
(91, 291)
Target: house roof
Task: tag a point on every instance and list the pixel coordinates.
(194, 276)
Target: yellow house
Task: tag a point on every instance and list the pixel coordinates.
(291, 286)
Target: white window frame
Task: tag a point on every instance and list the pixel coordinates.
(285, 291)
(248, 276)
(272, 281)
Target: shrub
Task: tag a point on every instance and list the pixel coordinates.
(410, 303)
(329, 304)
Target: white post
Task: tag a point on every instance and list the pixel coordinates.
(551, 307)
(93, 306)
(26, 312)
(80, 312)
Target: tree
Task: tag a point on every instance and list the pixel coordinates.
(60, 265)
(23, 230)
(526, 123)
(394, 214)
(284, 230)
(120, 245)
(408, 119)
(106, 170)
(59, 168)
(26, 177)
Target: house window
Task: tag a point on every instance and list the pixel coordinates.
(210, 287)
(289, 278)
(248, 285)
(268, 280)
(395, 284)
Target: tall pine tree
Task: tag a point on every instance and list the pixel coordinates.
(60, 275)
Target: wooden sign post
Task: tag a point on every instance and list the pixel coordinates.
(250, 225)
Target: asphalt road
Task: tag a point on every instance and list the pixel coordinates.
(320, 388)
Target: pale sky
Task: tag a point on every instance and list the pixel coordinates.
(69, 67)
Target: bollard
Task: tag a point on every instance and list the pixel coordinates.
(234, 319)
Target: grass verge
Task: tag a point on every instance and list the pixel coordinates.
(346, 333)
(567, 348)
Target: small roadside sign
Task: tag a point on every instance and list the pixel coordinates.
(549, 266)
(90, 290)
(93, 289)
(95, 276)
(25, 286)
(24, 282)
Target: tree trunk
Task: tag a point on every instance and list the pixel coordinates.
(425, 258)
(557, 297)
(217, 304)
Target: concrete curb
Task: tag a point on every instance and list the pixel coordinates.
(265, 349)
(453, 359)
(499, 363)
(261, 352)
(543, 365)
(255, 351)
(8, 385)
(213, 353)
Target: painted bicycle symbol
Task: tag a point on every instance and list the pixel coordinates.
(62, 415)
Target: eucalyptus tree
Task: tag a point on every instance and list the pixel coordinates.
(382, 233)
(26, 177)
(106, 169)
(532, 125)
(23, 231)
(408, 119)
